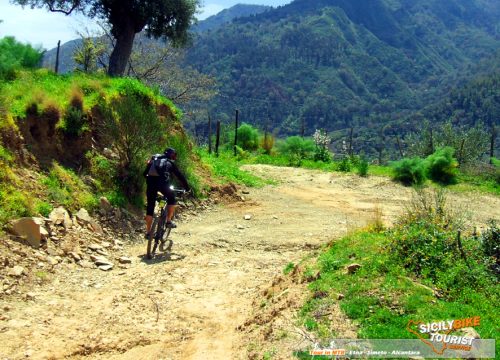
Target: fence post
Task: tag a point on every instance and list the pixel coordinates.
(209, 134)
(492, 144)
(350, 151)
(217, 138)
(400, 147)
(236, 130)
(57, 56)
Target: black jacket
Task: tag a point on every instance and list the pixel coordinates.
(170, 168)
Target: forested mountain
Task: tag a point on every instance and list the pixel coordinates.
(227, 15)
(334, 64)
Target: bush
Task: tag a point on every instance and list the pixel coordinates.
(442, 166)
(248, 137)
(344, 164)
(409, 171)
(425, 240)
(362, 167)
(296, 146)
(490, 244)
(15, 55)
(267, 143)
(102, 170)
(43, 208)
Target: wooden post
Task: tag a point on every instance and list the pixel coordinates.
(303, 128)
(236, 130)
(57, 56)
(492, 144)
(380, 149)
(217, 138)
(400, 147)
(209, 134)
(350, 142)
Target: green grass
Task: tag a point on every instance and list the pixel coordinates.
(381, 296)
(43, 87)
(227, 169)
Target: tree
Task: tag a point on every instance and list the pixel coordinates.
(15, 55)
(160, 18)
(87, 54)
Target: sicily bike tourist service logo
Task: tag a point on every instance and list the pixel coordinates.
(440, 336)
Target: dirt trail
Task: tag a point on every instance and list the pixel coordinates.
(188, 305)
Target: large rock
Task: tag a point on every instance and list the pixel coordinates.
(84, 218)
(30, 229)
(59, 216)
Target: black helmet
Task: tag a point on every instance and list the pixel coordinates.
(170, 153)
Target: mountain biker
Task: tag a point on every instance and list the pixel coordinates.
(159, 179)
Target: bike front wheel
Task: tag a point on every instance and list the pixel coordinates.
(152, 242)
(165, 242)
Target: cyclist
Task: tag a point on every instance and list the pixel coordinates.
(158, 173)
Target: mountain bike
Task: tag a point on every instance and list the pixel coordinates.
(158, 236)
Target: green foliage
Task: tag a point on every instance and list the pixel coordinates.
(296, 146)
(441, 166)
(490, 244)
(134, 129)
(65, 188)
(43, 208)
(409, 171)
(74, 122)
(13, 203)
(288, 268)
(267, 143)
(15, 55)
(344, 165)
(227, 169)
(362, 167)
(248, 137)
(103, 170)
(384, 295)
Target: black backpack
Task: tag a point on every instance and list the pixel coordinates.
(159, 166)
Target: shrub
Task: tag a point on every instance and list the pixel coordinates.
(248, 137)
(267, 143)
(296, 146)
(321, 152)
(43, 208)
(409, 171)
(362, 167)
(490, 244)
(15, 55)
(442, 166)
(344, 165)
(103, 170)
(74, 122)
(133, 127)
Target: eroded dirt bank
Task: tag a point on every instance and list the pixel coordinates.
(190, 304)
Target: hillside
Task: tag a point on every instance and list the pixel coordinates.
(334, 64)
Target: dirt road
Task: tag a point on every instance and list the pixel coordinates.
(189, 304)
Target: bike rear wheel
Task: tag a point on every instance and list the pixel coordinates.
(152, 242)
(165, 242)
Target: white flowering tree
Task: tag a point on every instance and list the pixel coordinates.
(322, 141)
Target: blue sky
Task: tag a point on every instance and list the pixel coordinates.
(42, 28)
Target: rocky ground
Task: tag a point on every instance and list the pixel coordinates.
(220, 292)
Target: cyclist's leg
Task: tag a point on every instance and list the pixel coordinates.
(152, 189)
(171, 202)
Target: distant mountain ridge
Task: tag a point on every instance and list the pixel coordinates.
(227, 15)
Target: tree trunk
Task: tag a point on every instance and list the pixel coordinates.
(121, 52)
